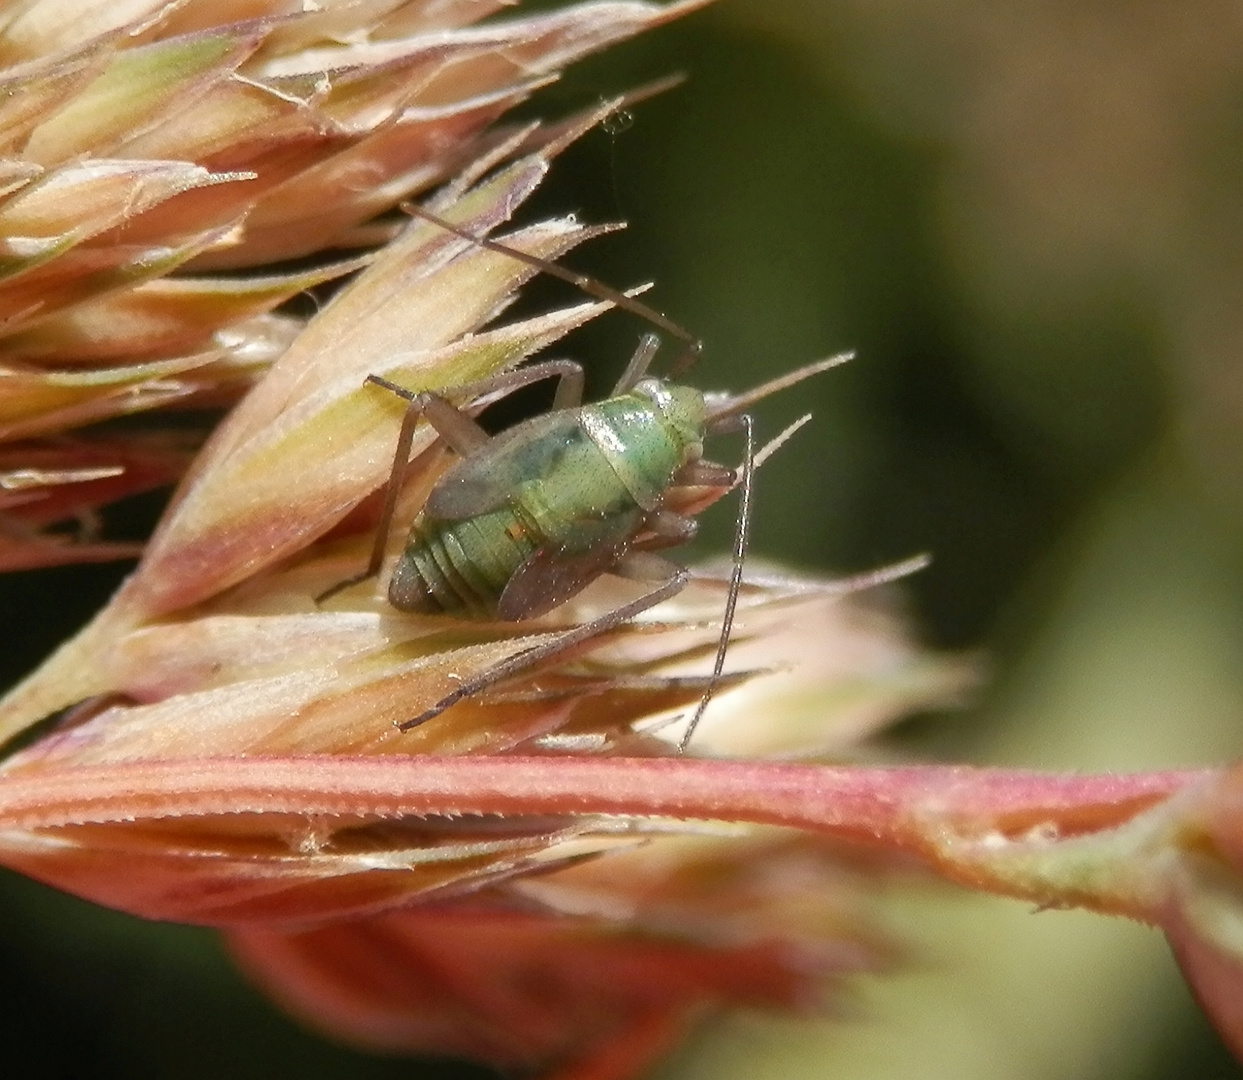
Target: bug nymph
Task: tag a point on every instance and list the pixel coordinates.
(527, 519)
(549, 504)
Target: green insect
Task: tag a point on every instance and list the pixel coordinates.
(525, 520)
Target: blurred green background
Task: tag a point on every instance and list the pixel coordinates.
(1026, 219)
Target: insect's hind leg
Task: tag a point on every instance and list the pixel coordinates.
(568, 373)
(640, 565)
(458, 429)
(643, 565)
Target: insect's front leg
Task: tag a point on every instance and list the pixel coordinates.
(706, 474)
(667, 528)
(638, 365)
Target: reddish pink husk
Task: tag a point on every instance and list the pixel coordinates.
(983, 828)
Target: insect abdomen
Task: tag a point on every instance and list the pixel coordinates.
(461, 565)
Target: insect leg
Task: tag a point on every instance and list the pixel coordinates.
(638, 365)
(667, 529)
(636, 564)
(568, 373)
(692, 346)
(742, 532)
(396, 480)
(457, 428)
(706, 474)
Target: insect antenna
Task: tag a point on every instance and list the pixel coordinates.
(691, 345)
(742, 535)
(726, 405)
